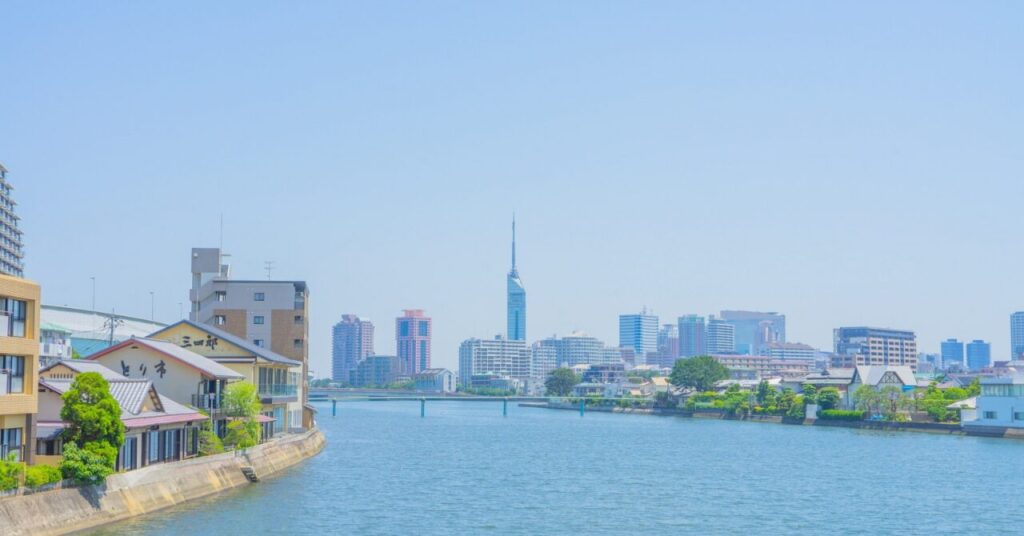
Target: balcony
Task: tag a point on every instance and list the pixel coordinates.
(210, 402)
(271, 393)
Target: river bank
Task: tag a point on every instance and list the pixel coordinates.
(920, 427)
(150, 489)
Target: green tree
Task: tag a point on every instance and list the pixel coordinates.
(10, 472)
(242, 406)
(810, 392)
(91, 414)
(763, 390)
(700, 373)
(974, 389)
(868, 400)
(828, 398)
(560, 382)
(84, 465)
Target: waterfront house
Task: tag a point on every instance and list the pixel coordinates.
(157, 429)
(1000, 405)
(178, 373)
(879, 376)
(278, 379)
(435, 380)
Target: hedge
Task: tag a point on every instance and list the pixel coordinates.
(41, 475)
(841, 415)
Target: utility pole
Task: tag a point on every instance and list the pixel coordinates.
(269, 265)
(112, 322)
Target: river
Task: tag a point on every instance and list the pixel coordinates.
(465, 469)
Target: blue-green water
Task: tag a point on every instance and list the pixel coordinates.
(464, 469)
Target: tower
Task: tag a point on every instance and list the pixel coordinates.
(516, 297)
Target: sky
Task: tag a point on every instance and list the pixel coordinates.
(845, 163)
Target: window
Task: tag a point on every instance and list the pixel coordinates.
(258, 342)
(10, 442)
(259, 296)
(424, 329)
(297, 344)
(990, 415)
(154, 446)
(220, 320)
(258, 320)
(1018, 415)
(298, 320)
(221, 295)
(403, 328)
(12, 374)
(12, 317)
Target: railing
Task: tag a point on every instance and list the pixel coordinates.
(207, 401)
(278, 389)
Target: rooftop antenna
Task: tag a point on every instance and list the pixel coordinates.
(269, 267)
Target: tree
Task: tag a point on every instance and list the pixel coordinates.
(868, 399)
(700, 373)
(84, 465)
(560, 382)
(242, 405)
(828, 398)
(974, 389)
(810, 393)
(92, 415)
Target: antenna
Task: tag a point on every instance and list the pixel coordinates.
(220, 245)
(269, 267)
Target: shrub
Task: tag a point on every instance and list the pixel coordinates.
(209, 443)
(10, 472)
(86, 465)
(841, 415)
(41, 475)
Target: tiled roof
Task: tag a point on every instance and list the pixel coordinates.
(203, 363)
(84, 365)
(237, 341)
(129, 393)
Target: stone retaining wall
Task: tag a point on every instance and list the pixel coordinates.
(149, 489)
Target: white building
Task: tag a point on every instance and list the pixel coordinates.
(791, 350)
(1001, 403)
(580, 348)
(721, 337)
(435, 380)
(498, 356)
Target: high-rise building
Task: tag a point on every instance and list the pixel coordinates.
(639, 332)
(875, 346)
(692, 336)
(376, 371)
(498, 356)
(753, 330)
(516, 298)
(352, 341)
(979, 354)
(19, 366)
(412, 337)
(952, 352)
(11, 255)
(543, 359)
(266, 313)
(721, 337)
(1017, 335)
(668, 346)
(578, 348)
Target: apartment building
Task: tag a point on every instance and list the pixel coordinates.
(19, 366)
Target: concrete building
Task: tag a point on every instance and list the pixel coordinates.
(543, 359)
(266, 314)
(179, 373)
(668, 346)
(578, 348)
(610, 373)
(351, 342)
(376, 371)
(1017, 335)
(498, 356)
(19, 366)
(790, 350)
(1001, 403)
(639, 332)
(755, 329)
(692, 336)
(54, 344)
(158, 429)
(754, 366)
(721, 337)
(436, 380)
(412, 340)
(278, 379)
(92, 331)
(515, 298)
(979, 355)
(952, 352)
(11, 255)
(875, 346)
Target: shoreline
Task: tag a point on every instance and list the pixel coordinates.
(150, 489)
(918, 427)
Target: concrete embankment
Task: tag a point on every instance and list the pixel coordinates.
(150, 489)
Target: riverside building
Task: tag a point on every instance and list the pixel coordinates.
(858, 346)
(412, 339)
(352, 341)
(19, 366)
(578, 348)
(498, 356)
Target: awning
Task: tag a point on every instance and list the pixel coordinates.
(264, 418)
(145, 422)
(49, 431)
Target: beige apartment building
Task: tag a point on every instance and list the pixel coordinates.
(19, 365)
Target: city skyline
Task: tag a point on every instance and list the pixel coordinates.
(380, 166)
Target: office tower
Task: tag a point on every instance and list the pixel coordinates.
(352, 341)
(516, 298)
(875, 346)
(497, 356)
(952, 352)
(412, 337)
(979, 354)
(639, 332)
(721, 337)
(692, 336)
(11, 255)
(1017, 335)
(578, 348)
(668, 345)
(19, 366)
(267, 313)
(753, 330)
(543, 359)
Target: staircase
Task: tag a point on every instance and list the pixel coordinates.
(250, 474)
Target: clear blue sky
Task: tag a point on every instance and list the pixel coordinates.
(844, 163)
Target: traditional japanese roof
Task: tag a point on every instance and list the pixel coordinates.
(83, 365)
(130, 393)
(258, 351)
(873, 374)
(969, 403)
(173, 412)
(204, 365)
